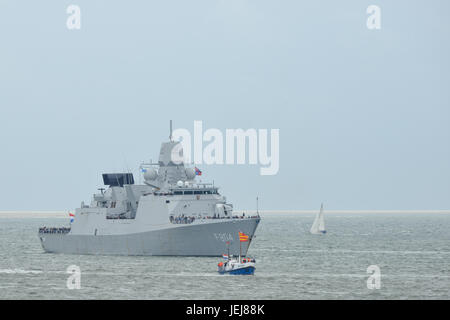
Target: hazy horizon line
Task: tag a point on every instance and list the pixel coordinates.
(64, 213)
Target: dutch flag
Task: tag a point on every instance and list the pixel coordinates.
(72, 216)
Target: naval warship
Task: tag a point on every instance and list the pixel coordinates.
(170, 214)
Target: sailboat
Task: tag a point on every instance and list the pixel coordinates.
(318, 226)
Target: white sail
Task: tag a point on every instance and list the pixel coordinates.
(321, 220)
(319, 223)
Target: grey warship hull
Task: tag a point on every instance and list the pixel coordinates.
(171, 214)
(201, 239)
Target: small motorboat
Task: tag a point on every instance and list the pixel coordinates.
(240, 265)
(237, 266)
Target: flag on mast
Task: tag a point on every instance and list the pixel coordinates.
(72, 216)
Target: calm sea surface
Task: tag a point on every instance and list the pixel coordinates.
(411, 250)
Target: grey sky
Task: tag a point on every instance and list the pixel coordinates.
(363, 115)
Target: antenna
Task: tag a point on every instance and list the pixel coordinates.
(170, 136)
(257, 209)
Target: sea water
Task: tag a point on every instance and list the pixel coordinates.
(411, 250)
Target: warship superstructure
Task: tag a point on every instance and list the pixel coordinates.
(169, 214)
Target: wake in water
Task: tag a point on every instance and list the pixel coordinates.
(20, 271)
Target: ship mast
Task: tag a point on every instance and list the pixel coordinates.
(257, 209)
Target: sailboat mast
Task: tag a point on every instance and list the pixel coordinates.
(240, 250)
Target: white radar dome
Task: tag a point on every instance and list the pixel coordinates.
(180, 183)
(190, 173)
(150, 174)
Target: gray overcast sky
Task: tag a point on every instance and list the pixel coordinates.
(363, 114)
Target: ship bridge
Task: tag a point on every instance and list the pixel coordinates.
(198, 188)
